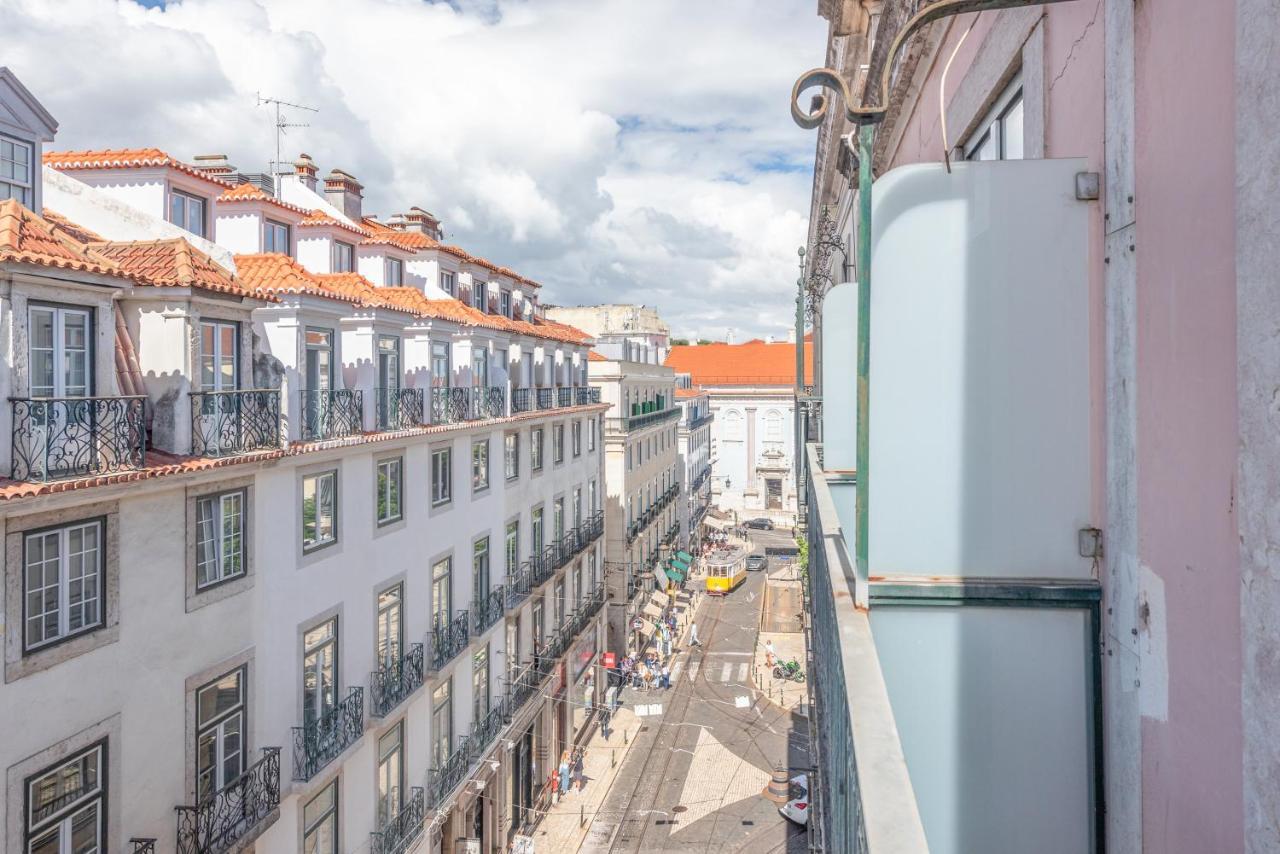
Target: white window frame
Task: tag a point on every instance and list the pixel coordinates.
(187, 199)
(511, 455)
(342, 257)
(61, 361)
(449, 282)
(228, 561)
(271, 230)
(211, 330)
(60, 820)
(318, 542)
(63, 584)
(994, 121)
(479, 465)
(389, 488)
(441, 476)
(219, 726)
(331, 812)
(11, 186)
(393, 272)
(536, 439)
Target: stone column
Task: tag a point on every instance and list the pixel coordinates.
(751, 448)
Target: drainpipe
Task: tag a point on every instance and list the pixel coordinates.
(866, 140)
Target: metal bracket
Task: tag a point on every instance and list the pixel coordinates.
(1089, 542)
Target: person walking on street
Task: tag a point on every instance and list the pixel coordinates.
(564, 772)
(693, 635)
(666, 675)
(578, 770)
(768, 653)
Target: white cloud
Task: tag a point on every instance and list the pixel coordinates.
(615, 150)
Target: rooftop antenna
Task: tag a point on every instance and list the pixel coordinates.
(281, 124)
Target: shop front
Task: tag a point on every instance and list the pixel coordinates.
(583, 695)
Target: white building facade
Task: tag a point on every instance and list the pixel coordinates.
(303, 530)
(694, 443)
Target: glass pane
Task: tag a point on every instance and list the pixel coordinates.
(84, 831)
(218, 698)
(986, 148)
(1011, 126)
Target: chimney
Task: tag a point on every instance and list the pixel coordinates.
(729, 337)
(304, 169)
(791, 336)
(768, 339)
(422, 221)
(343, 192)
(216, 165)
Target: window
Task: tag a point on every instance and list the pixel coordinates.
(504, 303)
(480, 368)
(63, 576)
(576, 439)
(480, 296)
(342, 257)
(441, 594)
(479, 464)
(535, 449)
(275, 238)
(390, 637)
(441, 476)
(480, 570)
(480, 685)
(577, 573)
(390, 473)
(439, 364)
(442, 723)
(1000, 134)
(591, 496)
(220, 542)
(538, 620)
(320, 822)
(513, 547)
(59, 351)
(558, 604)
(557, 519)
(557, 443)
(15, 171)
(220, 733)
(448, 283)
(592, 426)
(511, 455)
(577, 506)
(218, 355)
(187, 211)
(390, 774)
(393, 272)
(319, 510)
(66, 806)
(319, 671)
(537, 535)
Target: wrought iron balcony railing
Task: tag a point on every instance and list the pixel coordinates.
(399, 408)
(542, 565)
(583, 395)
(485, 730)
(522, 400)
(546, 398)
(392, 684)
(700, 478)
(317, 743)
(524, 687)
(138, 845)
(234, 422)
(450, 405)
(635, 422)
(449, 639)
(487, 611)
(441, 781)
(519, 585)
(332, 413)
(564, 396)
(704, 418)
(233, 812)
(63, 437)
(404, 828)
(594, 526)
(489, 402)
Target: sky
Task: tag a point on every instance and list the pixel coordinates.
(636, 151)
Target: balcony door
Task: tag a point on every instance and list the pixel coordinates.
(319, 672)
(59, 355)
(60, 437)
(388, 381)
(318, 379)
(220, 745)
(480, 368)
(218, 372)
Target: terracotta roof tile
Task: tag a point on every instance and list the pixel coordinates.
(124, 158)
(410, 241)
(74, 229)
(172, 263)
(253, 193)
(754, 363)
(318, 218)
(28, 239)
(593, 356)
(696, 391)
(274, 273)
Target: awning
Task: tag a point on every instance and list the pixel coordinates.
(651, 610)
(680, 565)
(676, 575)
(685, 556)
(712, 522)
(659, 578)
(661, 599)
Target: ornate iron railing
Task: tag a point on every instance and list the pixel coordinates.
(484, 731)
(546, 398)
(487, 611)
(233, 422)
(332, 413)
(230, 814)
(398, 834)
(488, 402)
(594, 526)
(704, 418)
(138, 845)
(522, 399)
(443, 780)
(524, 687)
(542, 566)
(62, 437)
(583, 395)
(635, 422)
(316, 744)
(449, 639)
(700, 479)
(564, 396)
(519, 585)
(450, 405)
(633, 585)
(399, 408)
(390, 685)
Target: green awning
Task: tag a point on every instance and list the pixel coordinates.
(685, 556)
(675, 575)
(680, 565)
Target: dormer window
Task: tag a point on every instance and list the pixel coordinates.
(480, 296)
(447, 283)
(15, 171)
(343, 253)
(275, 237)
(504, 303)
(394, 272)
(187, 211)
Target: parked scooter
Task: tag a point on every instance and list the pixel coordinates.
(789, 670)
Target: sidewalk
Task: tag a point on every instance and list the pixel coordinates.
(783, 598)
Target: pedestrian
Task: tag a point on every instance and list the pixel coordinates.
(588, 696)
(578, 770)
(693, 635)
(610, 700)
(564, 772)
(768, 653)
(666, 676)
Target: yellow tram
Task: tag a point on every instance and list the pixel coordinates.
(726, 569)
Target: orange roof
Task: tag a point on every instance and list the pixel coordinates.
(274, 273)
(172, 263)
(124, 158)
(253, 193)
(410, 241)
(75, 229)
(318, 217)
(753, 363)
(354, 287)
(682, 393)
(28, 239)
(593, 356)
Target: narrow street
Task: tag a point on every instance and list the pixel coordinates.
(694, 776)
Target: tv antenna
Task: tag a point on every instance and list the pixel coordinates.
(282, 124)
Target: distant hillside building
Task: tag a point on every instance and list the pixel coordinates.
(751, 388)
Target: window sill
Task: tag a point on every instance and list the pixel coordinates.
(56, 653)
(218, 591)
(318, 547)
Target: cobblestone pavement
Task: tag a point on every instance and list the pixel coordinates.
(700, 753)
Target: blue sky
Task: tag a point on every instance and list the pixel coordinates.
(614, 150)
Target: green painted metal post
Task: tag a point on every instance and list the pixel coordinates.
(800, 414)
(866, 139)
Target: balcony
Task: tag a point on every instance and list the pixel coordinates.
(449, 639)
(65, 437)
(641, 420)
(584, 395)
(564, 396)
(316, 744)
(399, 408)
(487, 611)
(392, 684)
(139, 845)
(484, 731)
(455, 405)
(542, 566)
(234, 422)
(443, 780)
(489, 402)
(519, 585)
(399, 834)
(546, 398)
(522, 400)
(634, 582)
(233, 815)
(524, 687)
(700, 479)
(863, 800)
(331, 413)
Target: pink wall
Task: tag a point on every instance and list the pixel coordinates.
(1185, 118)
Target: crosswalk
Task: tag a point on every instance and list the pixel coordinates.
(728, 672)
